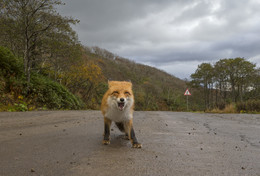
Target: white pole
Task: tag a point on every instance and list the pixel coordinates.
(187, 102)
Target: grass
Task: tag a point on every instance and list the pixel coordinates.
(230, 108)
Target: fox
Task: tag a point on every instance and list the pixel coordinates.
(118, 106)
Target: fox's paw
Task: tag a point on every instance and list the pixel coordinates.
(137, 145)
(106, 142)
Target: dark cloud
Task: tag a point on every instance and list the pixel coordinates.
(170, 33)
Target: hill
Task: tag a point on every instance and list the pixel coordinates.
(154, 89)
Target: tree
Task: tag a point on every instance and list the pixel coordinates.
(239, 72)
(232, 80)
(26, 23)
(84, 78)
(62, 53)
(203, 76)
(221, 82)
(255, 85)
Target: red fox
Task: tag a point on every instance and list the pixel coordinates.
(118, 106)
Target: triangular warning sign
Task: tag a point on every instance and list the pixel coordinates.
(187, 92)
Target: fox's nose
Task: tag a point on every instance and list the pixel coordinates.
(122, 99)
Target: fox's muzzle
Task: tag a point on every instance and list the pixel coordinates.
(121, 104)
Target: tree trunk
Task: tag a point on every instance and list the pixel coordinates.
(27, 62)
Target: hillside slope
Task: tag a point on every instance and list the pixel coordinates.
(154, 89)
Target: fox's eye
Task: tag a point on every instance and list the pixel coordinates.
(127, 93)
(115, 92)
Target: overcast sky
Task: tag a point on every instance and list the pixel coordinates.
(172, 35)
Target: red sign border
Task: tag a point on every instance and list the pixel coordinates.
(188, 92)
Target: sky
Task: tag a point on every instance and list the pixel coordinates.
(172, 35)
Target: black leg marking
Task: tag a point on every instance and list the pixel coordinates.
(107, 132)
(107, 125)
(135, 143)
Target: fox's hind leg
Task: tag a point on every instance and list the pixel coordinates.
(121, 127)
(107, 124)
(131, 134)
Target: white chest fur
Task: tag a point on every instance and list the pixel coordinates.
(114, 114)
(119, 116)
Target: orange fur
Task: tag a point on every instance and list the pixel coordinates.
(118, 106)
(121, 87)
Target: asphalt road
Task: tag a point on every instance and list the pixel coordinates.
(69, 143)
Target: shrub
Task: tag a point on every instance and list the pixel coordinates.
(229, 108)
(43, 92)
(9, 64)
(248, 106)
(52, 94)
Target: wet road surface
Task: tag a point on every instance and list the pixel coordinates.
(69, 143)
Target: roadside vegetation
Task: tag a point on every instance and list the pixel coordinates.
(43, 93)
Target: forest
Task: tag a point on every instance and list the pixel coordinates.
(229, 81)
(44, 66)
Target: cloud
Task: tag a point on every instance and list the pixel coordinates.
(166, 32)
(179, 69)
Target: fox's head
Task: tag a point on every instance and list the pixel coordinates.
(120, 95)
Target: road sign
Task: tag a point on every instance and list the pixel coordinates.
(187, 92)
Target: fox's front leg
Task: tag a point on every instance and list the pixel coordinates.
(107, 124)
(131, 135)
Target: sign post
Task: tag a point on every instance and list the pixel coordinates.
(187, 94)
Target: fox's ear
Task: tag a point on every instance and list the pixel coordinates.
(109, 79)
(110, 83)
(128, 83)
